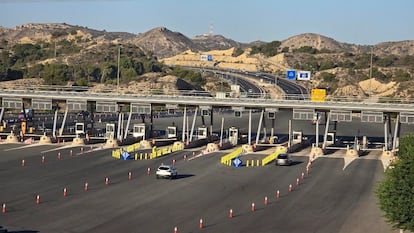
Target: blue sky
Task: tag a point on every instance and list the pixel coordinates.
(362, 22)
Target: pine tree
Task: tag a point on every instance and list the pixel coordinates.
(396, 191)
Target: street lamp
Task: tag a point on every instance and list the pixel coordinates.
(117, 74)
(370, 72)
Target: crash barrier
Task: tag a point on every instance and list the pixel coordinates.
(156, 152)
(226, 159)
(131, 148)
(253, 163)
(272, 156)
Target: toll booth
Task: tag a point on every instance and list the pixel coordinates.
(297, 137)
(110, 131)
(171, 132)
(330, 139)
(202, 133)
(79, 129)
(139, 130)
(233, 136)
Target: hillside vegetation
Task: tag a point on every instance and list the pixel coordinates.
(63, 54)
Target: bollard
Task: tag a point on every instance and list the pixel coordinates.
(297, 181)
(231, 213)
(277, 194)
(193, 154)
(290, 188)
(247, 163)
(91, 149)
(129, 175)
(252, 207)
(71, 153)
(185, 157)
(265, 201)
(43, 159)
(175, 230)
(65, 193)
(23, 163)
(148, 171)
(173, 162)
(3, 209)
(303, 176)
(258, 162)
(106, 181)
(201, 223)
(307, 170)
(37, 199)
(59, 156)
(86, 186)
(81, 150)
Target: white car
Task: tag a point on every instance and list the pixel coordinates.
(166, 171)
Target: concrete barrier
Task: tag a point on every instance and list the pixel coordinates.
(211, 147)
(45, 140)
(352, 153)
(12, 138)
(316, 151)
(247, 148)
(78, 141)
(111, 143)
(144, 144)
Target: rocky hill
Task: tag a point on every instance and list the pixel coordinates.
(333, 64)
(163, 42)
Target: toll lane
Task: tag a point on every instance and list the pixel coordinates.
(326, 200)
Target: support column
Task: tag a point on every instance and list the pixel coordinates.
(184, 116)
(63, 122)
(192, 126)
(258, 127)
(128, 122)
(325, 136)
(250, 128)
(396, 133)
(54, 123)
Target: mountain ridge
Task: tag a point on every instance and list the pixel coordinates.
(166, 43)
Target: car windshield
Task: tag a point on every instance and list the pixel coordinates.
(283, 156)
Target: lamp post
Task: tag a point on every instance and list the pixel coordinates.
(117, 74)
(370, 72)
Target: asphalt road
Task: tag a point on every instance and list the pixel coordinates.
(328, 199)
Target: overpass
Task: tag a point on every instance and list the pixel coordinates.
(336, 109)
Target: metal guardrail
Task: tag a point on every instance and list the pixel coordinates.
(250, 101)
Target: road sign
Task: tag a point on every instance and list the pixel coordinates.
(375, 117)
(318, 95)
(291, 74)
(237, 162)
(304, 75)
(407, 117)
(42, 104)
(12, 102)
(341, 115)
(303, 114)
(78, 105)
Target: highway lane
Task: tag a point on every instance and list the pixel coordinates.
(328, 200)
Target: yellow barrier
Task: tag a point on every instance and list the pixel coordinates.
(231, 156)
(271, 157)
